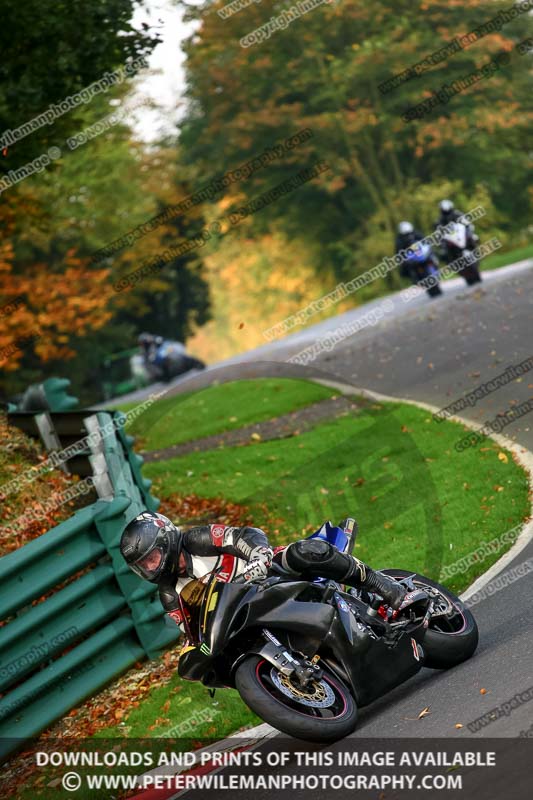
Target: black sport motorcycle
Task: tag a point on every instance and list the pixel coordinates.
(304, 655)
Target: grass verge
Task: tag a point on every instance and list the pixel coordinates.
(421, 504)
(497, 260)
(185, 417)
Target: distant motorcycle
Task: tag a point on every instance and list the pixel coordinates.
(421, 266)
(304, 655)
(459, 240)
(165, 360)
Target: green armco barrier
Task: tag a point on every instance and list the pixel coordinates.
(94, 599)
(30, 571)
(136, 461)
(75, 615)
(68, 681)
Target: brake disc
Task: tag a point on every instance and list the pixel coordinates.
(318, 695)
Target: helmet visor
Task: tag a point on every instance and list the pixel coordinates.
(149, 565)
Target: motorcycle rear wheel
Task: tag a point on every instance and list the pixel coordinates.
(325, 714)
(449, 640)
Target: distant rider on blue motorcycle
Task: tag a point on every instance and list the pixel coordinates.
(406, 236)
(158, 551)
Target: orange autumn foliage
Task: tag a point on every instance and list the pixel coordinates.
(49, 306)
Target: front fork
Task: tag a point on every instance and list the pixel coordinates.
(300, 670)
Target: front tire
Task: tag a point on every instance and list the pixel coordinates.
(449, 640)
(270, 695)
(472, 275)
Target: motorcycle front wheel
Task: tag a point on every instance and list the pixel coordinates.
(452, 637)
(472, 276)
(324, 711)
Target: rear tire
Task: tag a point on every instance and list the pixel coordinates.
(259, 692)
(445, 649)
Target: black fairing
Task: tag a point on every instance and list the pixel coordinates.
(276, 608)
(241, 609)
(340, 633)
(371, 667)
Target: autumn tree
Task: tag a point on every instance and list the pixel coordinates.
(323, 72)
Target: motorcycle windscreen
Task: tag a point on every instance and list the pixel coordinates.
(193, 598)
(457, 235)
(332, 534)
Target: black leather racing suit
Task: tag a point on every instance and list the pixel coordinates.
(227, 551)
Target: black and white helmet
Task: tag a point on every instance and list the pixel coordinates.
(446, 207)
(151, 545)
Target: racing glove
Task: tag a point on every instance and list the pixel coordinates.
(262, 554)
(259, 564)
(255, 571)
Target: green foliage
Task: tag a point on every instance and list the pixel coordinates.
(245, 99)
(52, 49)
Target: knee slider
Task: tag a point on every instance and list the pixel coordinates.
(313, 549)
(301, 555)
(313, 554)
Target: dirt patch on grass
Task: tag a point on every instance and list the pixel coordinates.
(278, 428)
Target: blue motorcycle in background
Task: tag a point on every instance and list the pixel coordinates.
(421, 266)
(162, 359)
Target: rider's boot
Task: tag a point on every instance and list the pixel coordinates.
(363, 577)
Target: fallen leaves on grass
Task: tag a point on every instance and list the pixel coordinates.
(193, 510)
(111, 705)
(104, 710)
(19, 455)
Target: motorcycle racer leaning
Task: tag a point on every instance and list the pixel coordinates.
(406, 236)
(158, 551)
(448, 213)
